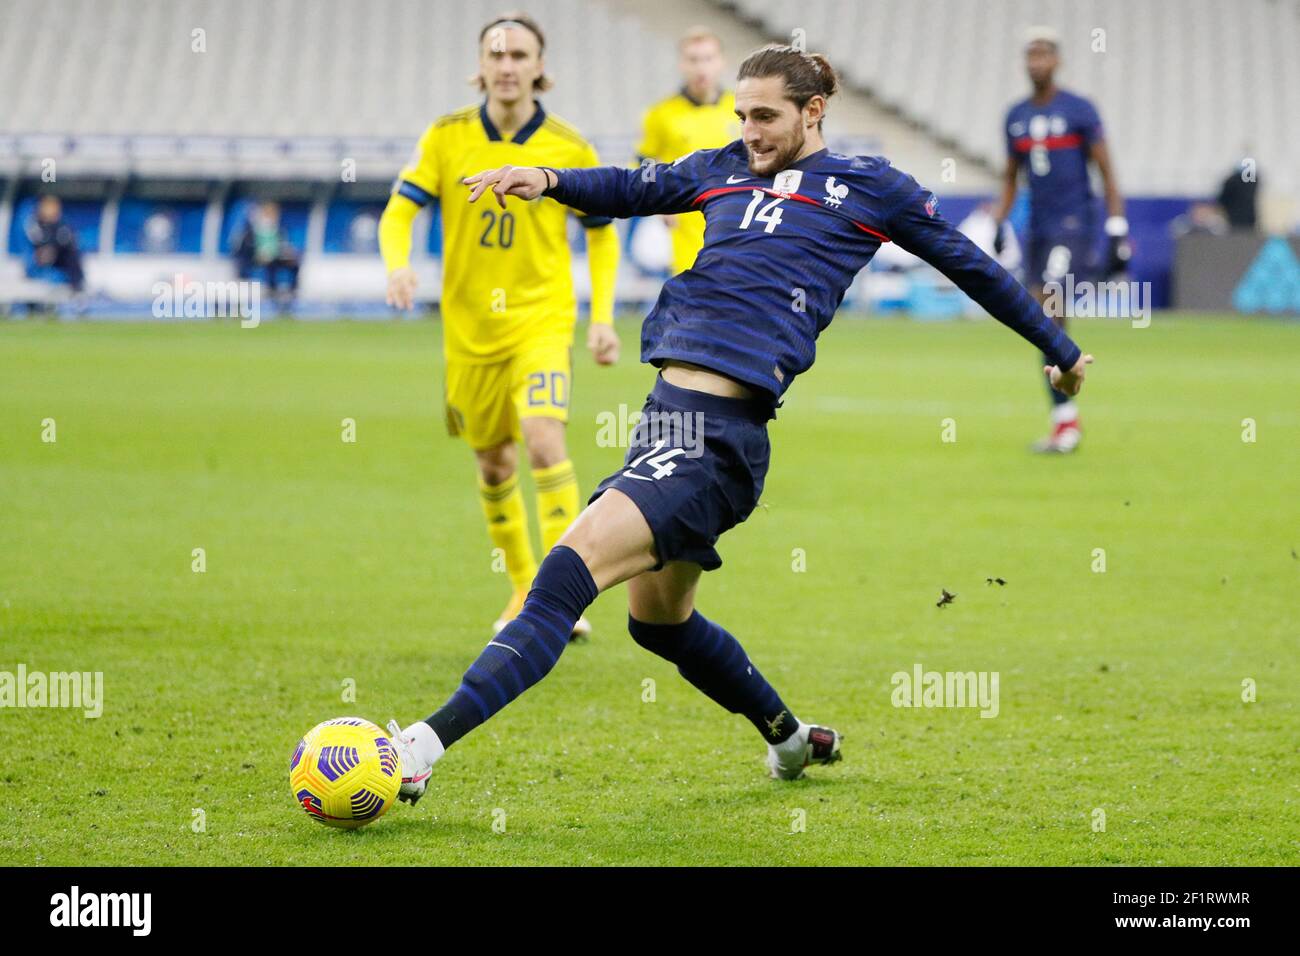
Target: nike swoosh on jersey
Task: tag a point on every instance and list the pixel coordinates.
(732, 179)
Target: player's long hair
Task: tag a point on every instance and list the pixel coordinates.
(806, 74)
(520, 19)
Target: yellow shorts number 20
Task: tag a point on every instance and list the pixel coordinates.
(486, 401)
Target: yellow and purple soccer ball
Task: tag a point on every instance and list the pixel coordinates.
(345, 773)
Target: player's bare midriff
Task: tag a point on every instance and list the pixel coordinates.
(699, 379)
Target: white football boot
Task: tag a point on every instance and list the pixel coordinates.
(1063, 439)
(415, 771)
(1065, 434)
(808, 745)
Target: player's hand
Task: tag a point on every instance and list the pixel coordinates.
(526, 182)
(401, 288)
(998, 242)
(603, 342)
(1118, 255)
(1068, 382)
(1119, 249)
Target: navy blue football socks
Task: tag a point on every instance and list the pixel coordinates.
(529, 646)
(525, 650)
(714, 662)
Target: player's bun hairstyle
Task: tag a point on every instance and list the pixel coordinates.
(520, 19)
(806, 74)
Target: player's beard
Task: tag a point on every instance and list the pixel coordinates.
(784, 157)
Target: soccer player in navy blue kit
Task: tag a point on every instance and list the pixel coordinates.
(788, 226)
(1053, 135)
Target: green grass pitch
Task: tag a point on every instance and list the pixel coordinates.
(327, 562)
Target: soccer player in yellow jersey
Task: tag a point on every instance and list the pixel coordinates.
(508, 304)
(701, 115)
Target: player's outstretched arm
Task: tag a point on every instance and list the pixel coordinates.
(914, 226)
(600, 190)
(526, 182)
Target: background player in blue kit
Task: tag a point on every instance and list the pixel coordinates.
(1053, 135)
(788, 224)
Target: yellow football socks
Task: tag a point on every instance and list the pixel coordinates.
(507, 521)
(557, 501)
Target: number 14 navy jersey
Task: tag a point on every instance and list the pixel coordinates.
(780, 251)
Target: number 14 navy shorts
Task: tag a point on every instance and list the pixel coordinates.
(694, 468)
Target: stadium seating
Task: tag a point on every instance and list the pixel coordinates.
(266, 93)
(166, 116)
(301, 68)
(954, 67)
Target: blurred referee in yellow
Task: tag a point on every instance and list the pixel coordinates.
(701, 115)
(508, 303)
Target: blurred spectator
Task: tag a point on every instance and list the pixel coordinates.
(981, 228)
(1204, 217)
(1237, 197)
(263, 250)
(54, 244)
